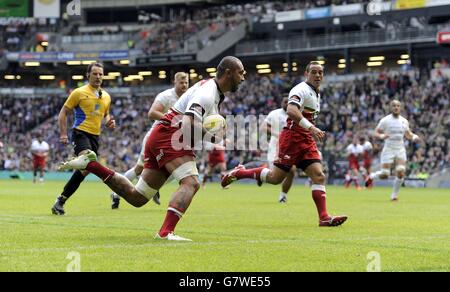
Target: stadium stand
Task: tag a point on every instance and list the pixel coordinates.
(349, 108)
(351, 105)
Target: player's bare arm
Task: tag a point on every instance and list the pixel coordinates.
(380, 135)
(295, 114)
(192, 127)
(110, 122)
(156, 111)
(219, 147)
(411, 136)
(62, 121)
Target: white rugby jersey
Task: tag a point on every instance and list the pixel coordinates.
(39, 147)
(167, 98)
(201, 100)
(309, 99)
(395, 128)
(277, 120)
(355, 150)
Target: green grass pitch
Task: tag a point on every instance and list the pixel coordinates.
(240, 229)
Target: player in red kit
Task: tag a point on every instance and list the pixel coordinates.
(216, 159)
(297, 145)
(169, 150)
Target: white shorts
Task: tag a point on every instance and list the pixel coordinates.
(140, 161)
(389, 155)
(272, 154)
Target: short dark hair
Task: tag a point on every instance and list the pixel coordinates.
(228, 62)
(94, 64)
(311, 64)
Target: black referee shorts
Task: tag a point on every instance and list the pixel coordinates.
(82, 141)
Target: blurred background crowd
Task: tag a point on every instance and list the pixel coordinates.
(348, 109)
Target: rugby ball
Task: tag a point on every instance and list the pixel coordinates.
(214, 123)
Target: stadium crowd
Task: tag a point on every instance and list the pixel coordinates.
(347, 109)
(256, 8)
(355, 108)
(175, 37)
(160, 36)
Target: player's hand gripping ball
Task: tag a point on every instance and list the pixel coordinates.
(215, 124)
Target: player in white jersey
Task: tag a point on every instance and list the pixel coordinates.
(392, 129)
(169, 148)
(354, 152)
(275, 122)
(367, 156)
(161, 105)
(39, 151)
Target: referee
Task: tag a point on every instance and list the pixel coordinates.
(91, 104)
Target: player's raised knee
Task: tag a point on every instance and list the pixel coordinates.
(318, 177)
(400, 170)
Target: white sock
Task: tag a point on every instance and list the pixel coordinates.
(130, 174)
(282, 195)
(263, 174)
(375, 175)
(397, 184)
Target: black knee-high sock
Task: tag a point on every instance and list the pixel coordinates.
(72, 185)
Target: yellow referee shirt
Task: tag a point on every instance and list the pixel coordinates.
(90, 108)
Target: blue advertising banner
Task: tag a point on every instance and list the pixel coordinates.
(318, 12)
(67, 56)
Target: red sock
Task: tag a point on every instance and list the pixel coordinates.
(172, 217)
(249, 173)
(99, 170)
(320, 198)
